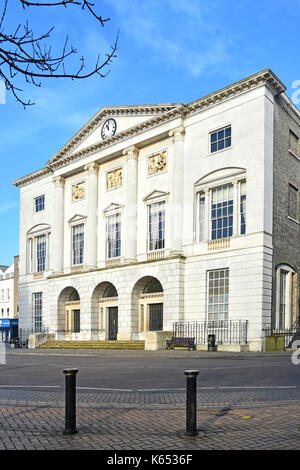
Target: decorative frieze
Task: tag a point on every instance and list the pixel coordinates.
(157, 163)
(78, 191)
(114, 178)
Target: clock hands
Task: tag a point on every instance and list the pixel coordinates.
(108, 128)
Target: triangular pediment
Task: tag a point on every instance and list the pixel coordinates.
(123, 119)
(113, 207)
(77, 218)
(156, 195)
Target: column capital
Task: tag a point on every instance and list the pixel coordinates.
(92, 168)
(177, 133)
(236, 183)
(59, 181)
(131, 152)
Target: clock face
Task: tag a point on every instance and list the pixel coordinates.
(109, 128)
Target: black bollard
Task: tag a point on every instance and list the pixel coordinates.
(191, 402)
(70, 403)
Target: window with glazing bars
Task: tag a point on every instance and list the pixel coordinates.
(39, 203)
(220, 139)
(113, 236)
(294, 143)
(243, 207)
(222, 212)
(293, 202)
(282, 301)
(201, 216)
(156, 226)
(37, 311)
(41, 253)
(77, 244)
(217, 294)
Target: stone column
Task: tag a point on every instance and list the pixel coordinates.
(177, 190)
(90, 237)
(57, 245)
(129, 232)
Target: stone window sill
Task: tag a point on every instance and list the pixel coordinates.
(294, 220)
(294, 155)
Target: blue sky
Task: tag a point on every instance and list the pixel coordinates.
(169, 51)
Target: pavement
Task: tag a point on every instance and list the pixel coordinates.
(228, 418)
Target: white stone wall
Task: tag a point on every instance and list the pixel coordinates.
(249, 257)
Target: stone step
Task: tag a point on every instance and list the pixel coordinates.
(94, 345)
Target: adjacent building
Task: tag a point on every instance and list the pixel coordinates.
(9, 301)
(164, 218)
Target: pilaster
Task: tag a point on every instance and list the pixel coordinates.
(91, 225)
(177, 189)
(130, 219)
(57, 245)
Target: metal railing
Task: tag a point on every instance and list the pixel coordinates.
(290, 333)
(225, 331)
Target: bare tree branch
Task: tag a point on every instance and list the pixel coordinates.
(30, 56)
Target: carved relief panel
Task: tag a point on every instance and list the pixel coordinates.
(78, 191)
(114, 178)
(157, 163)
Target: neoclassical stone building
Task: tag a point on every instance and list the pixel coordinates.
(168, 216)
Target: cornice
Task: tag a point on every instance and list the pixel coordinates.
(165, 113)
(36, 175)
(266, 77)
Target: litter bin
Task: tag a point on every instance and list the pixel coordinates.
(211, 340)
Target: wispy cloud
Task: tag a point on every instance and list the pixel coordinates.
(180, 33)
(7, 206)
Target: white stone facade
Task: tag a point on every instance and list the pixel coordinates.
(76, 192)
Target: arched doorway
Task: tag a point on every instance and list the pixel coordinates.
(147, 305)
(105, 311)
(68, 314)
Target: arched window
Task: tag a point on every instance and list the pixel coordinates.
(286, 296)
(153, 287)
(110, 291)
(74, 297)
(220, 205)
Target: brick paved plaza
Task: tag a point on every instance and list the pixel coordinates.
(159, 428)
(136, 401)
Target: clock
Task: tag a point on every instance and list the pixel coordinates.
(109, 128)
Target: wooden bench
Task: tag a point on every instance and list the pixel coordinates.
(181, 342)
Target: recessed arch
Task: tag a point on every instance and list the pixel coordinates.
(227, 172)
(104, 310)
(147, 305)
(68, 311)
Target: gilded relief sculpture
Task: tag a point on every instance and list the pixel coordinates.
(157, 163)
(114, 178)
(78, 191)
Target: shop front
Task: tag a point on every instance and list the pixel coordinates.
(8, 329)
